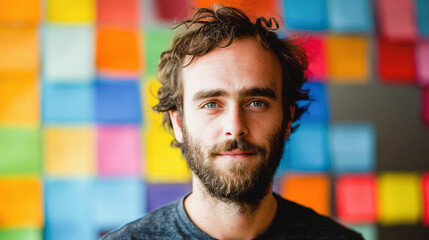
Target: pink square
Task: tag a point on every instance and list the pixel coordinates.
(119, 151)
(355, 198)
(426, 199)
(397, 19)
(315, 49)
(422, 60)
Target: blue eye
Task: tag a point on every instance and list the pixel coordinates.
(257, 104)
(210, 105)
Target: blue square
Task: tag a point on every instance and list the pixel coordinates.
(352, 147)
(161, 194)
(306, 14)
(68, 53)
(68, 103)
(307, 149)
(423, 16)
(318, 103)
(69, 210)
(118, 101)
(119, 201)
(350, 16)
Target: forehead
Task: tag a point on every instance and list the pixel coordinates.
(243, 64)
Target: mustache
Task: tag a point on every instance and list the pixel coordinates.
(239, 144)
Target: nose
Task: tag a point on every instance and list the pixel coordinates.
(235, 123)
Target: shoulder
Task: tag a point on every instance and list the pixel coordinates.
(156, 224)
(304, 223)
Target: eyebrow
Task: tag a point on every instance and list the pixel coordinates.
(246, 92)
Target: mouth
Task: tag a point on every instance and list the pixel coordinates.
(236, 154)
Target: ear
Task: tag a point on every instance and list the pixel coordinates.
(177, 124)
(289, 124)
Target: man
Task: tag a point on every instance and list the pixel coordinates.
(229, 91)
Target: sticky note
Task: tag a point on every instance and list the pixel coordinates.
(118, 101)
(68, 103)
(160, 194)
(70, 209)
(71, 11)
(157, 40)
(422, 58)
(368, 232)
(396, 19)
(118, 150)
(171, 10)
(150, 90)
(21, 234)
(19, 103)
(21, 204)
(27, 11)
(425, 183)
(118, 51)
(69, 151)
(348, 59)
(422, 7)
(355, 198)
(19, 47)
(395, 62)
(253, 8)
(306, 14)
(350, 16)
(68, 53)
(352, 147)
(317, 106)
(13, 160)
(425, 106)
(117, 12)
(315, 49)
(399, 198)
(309, 190)
(299, 156)
(163, 163)
(119, 201)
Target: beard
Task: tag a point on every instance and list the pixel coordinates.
(243, 184)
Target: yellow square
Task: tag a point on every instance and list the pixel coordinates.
(69, 151)
(163, 163)
(150, 99)
(348, 59)
(19, 48)
(71, 11)
(399, 198)
(19, 103)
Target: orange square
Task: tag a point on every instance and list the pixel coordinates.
(118, 51)
(21, 202)
(20, 11)
(253, 8)
(312, 191)
(19, 103)
(19, 48)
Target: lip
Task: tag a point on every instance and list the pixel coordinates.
(236, 154)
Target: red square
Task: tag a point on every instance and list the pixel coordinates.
(396, 62)
(425, 184)
(171, 10)
(355, 198)
(117, 12)
(425, 106)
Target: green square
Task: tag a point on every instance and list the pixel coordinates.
(20, 151)
(20, 234)
(156, 42)
(369, 232)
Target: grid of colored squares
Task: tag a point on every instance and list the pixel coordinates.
(76, 94)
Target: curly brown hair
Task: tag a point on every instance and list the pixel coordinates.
(219, 26)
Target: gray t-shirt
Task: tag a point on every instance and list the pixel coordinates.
(292, 221)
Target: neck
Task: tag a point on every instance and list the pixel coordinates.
(228, 220)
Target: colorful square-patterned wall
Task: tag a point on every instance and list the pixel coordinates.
(81, 152)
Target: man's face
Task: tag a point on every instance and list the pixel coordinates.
(232, 129)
